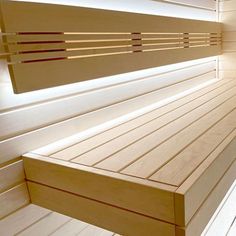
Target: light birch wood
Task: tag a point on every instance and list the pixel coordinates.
(148, 164)
(11, 175)
(73, 227)
(102, 66)
(207, 175)
(101, 139)
(212, 127)
(104, 62)
(152, 199)
(21, 219)
(13, 199)
(93, 230)
(192, 3)
(33, 139)
(122, 151)
(139, 93)
(204, 213)
(175, 171)
(46, 226)
(225, 217)
(40, 14)
(227, 17)
(106, 216)
(227, 6)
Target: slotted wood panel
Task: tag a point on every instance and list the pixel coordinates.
(52, 45)
(162, 164)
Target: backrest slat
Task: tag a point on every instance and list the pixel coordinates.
(51, 45)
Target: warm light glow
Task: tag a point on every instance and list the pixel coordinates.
(105, 126)
(163, 8)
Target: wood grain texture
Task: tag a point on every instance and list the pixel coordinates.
(102, 66)
(211, 5)
(33, 139)
(13, 199)
(191, 193)
(197, 147)
(224, 216)
(227, 17)
(107, 61)
(57, 15)
(83, 147)
(152, 199)
(196, 152)
(71, 228)
(21, 219)
(47, 225)
(121, 221)
(205, 212)
(11, 175)
(147, 90)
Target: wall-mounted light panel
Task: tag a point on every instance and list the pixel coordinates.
(49, 45)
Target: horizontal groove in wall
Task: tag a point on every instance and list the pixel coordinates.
(110, 83)
(209, 5)
(12, 174)
(13, 199)
(54, 112)
(26, 142)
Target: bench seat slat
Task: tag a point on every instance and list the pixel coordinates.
(163, 165)
(108, 136)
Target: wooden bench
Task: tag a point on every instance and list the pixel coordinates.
(161, 173)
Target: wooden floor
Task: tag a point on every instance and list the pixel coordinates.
(164, 166)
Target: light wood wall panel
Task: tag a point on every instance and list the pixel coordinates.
(23, 218)
(13, 199)
(227, 16)
(13, 189)
(11, 175)
(210, 4)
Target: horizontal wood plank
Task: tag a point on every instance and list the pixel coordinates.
(13, 199)
(102, 66)
(14, 147)
(57, 15)
(106, 138)
(110, 186)
(21, 219)
(111, 218)
(197, 187)
(46, 226)
(140, 51)
(149, 164)
(192, 156)
(207, 209)
(11, 175)
(76, 105)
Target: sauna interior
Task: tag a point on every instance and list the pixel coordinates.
(118, 118)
